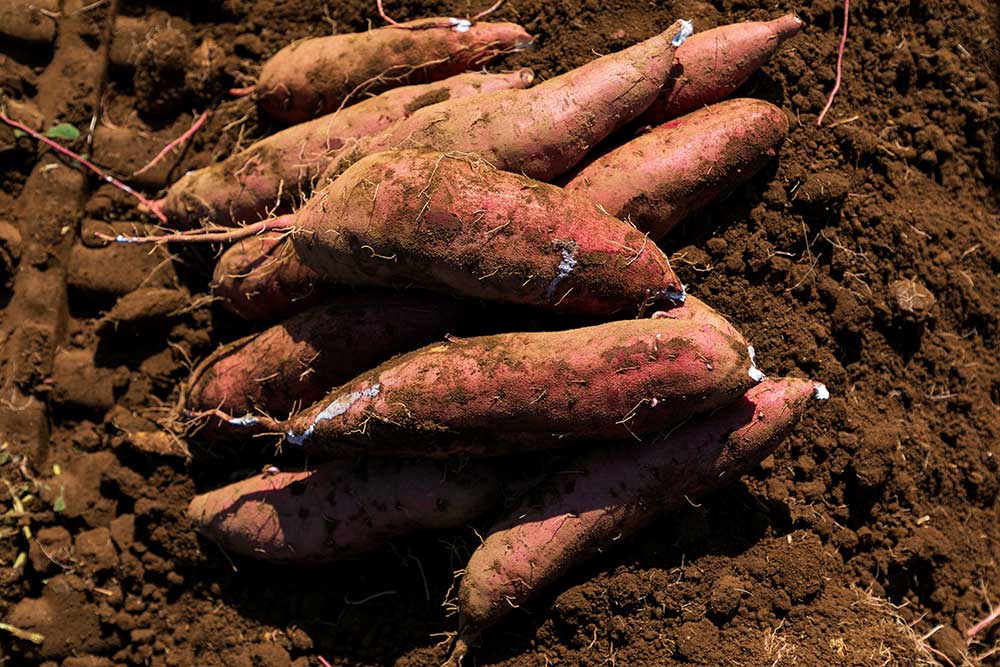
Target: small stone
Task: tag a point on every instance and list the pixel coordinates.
(911, 298)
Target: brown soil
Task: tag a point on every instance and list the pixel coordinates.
(867, 256)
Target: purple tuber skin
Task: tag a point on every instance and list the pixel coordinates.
(276, 171)
(317, 76)
(296, 362)
(341, 509)
(261, 279)
(541, 132)
(450, 222)
(661, 177)
(493, 395)
(711, 65)
(614, 492)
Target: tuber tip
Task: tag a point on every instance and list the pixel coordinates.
(787, 26)
(687, 29)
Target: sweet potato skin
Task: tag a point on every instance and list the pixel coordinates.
(341, 509)
(276, 171)
(296, 362)
(711, 65)
(541, 132)
(492, 395)
(615, 492)
(697, 311)
(661, 177)
(447, 222)
(313, 77)
(262, 279)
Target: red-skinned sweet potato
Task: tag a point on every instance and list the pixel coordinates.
(261, 278)
(275, 172)
(543, 131)
(661, 177)
(492, 395)
(316, 76)
(449, 222)
(341, 509)
(711, 65)
(614, 492)
(697, 311)
(295, 363)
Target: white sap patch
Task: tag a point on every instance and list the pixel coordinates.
(820, 392)
(687, 29)
(337, 407)
(461, 25)
(566, 266)
(755, 373)
(245, 420)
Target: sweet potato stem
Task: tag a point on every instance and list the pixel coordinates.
(840, 63)
(207, 235)
(174, 144)
(108, 178)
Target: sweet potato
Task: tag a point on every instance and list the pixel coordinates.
(276, 171)
(261, 278)
(661, 177)
(492, 395)
(613, 492)
(696, 310)
(545, 130)
(449, 222)
(316, 76)
(341, 509)
(711, 65)
(296, 362)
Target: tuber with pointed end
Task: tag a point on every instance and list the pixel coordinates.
(613, 492)
(661, 177)
(545, 130)
(449, 222)
(341, 509)
(493, 395)
(294, 363)
(261, 278)
(279, 170)
(711, 65)
(696, 310)
(317, 76)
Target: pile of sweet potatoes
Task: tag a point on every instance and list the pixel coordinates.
(402, 214)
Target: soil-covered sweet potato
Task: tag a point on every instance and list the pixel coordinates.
(450, 222)
(613, 492)
(261, 278)
(661, 177)
(711, 65)
(296, 362)
(492, 395)
(544, 131)
(279, 170)
(341, 509)
(316, 76)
